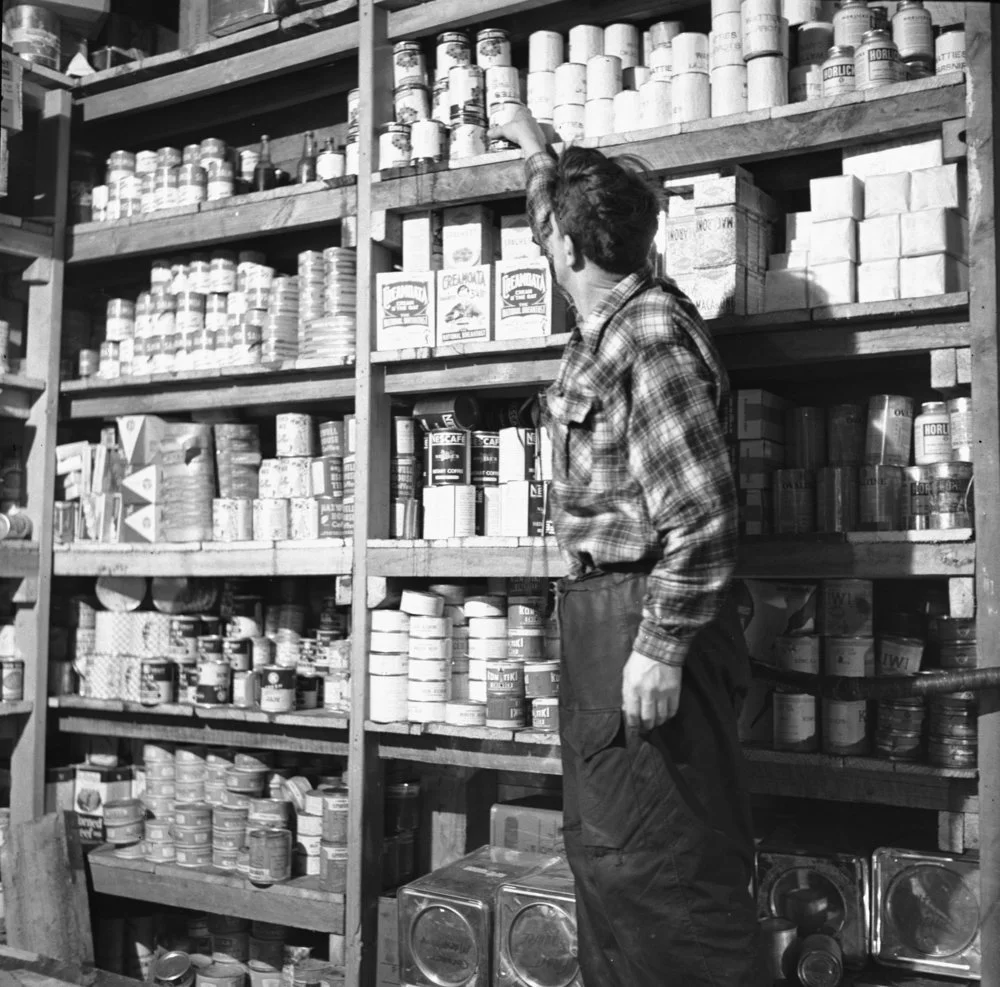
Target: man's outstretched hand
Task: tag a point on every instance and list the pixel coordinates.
(517, 125)
(651, 692)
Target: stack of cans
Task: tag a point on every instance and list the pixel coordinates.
(281, 328)
(237, 459)
(312, 284)
(333, 337)
(188, 485)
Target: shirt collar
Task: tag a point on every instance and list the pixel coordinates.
(611, 303)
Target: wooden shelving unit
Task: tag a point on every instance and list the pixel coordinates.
(325, 51)
(18, 559)
(298, 903)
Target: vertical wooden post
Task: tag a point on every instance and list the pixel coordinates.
(43, 348)
(371, 513)
(982, 72)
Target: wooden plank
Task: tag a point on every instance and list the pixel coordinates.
(297, 208)
(46, 889)
(820, 125)
(454, 809)
(18, 558)
(982, 25)
(22, 708)
(505, 348)
(239, 70)
(325, 557)
(528, 372)
(15, 241)
(418, 559)
(34, 385)
(298, 903)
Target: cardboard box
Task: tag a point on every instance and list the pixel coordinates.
(517, 458)
(878, 280)
(717, 291)
(943, 187)
(142, 485)
(784, 290)
(449, 512)
(141, 523)
(878, 239)
(465, 305)
(887, 195)
(488, 512)
(760, 455)
(725, 235)
(833, 284)
(405, 310)
(532, 824)
(837, 197)
(892, 157)
(798, 230)
(387, 961)
(526, 302)
(934, 231)
(678, 245)
(422, 241)
(467, 237)
(523, 509)
(139, 437)
(517, 239)
(932, 274)
(796, 260)
(95, 787)
(833, 240)
(11, 92)
(760, 415)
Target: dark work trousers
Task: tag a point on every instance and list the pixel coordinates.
(657, 826)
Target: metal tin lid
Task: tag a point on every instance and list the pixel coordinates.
(172, 968)
(915, 899)
(541, 943)
(872, 37)
(444, 946)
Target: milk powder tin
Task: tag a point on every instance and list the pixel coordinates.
(951, 496)
(838, 71)
(876, 61)
(270, 855)
(277, 689)
(846, 607)
(795, 727)
(845, 727)
(880, 496)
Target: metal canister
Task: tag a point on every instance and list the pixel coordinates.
(277, 689)
(795, 722)
(845, 726)
(270, 855)
(408, 66)
(173, 969)
(915, 499)
(876, 61)
(951, 496)
(492, 48)
(880, 496)
(960, 426)
(246, 685)
(794, 501)
(898, 655)
(805, 438)
(889, 433)
(851, 22)
(851, 657)
(453, 49)
(837, 498)
(214, 683)
(33, 32)
(413, 102)
(846, 607)
(949, 50)
(838, 71)
(156, 681)
(797, 653)
(467, 140)
(209, 647)
(237, 651)
(821, 961)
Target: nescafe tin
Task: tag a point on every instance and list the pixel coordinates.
(237, 651)
(447, 413)
(449, 458)
(485, 458)
(277, 689)
(880, 489)
(951, 496)
(270, 855)
(156, 681)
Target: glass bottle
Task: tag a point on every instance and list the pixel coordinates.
(264, 177)
(307, 163)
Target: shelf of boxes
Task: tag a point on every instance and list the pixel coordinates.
(314, 48)
(298, 903)
(824, 124)
(792, 557)
(323, 557)
(238, 217)
(307, 731)
(198, 390)
(17, 394)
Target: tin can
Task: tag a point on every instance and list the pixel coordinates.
(467, 140)
(805, 438)
(851, 657)
(277, 689)
(123, 811)
(408, 66)
(237, 651)
(949, 50)
(545, 714)
(214, 683)
(492, 48)
(541, 680)
(889, 433)
(915, 499)
(428, 142)
(951, 496)
(453, 50)
(221, 975)
(837, 498)
(838, 71)
(506, 712)
(960, 428)
(898, 655)
(449, 458)
(413, 102)
(797, 653)
(876, 61)
(505, 678)
(173, 969)
(14, 526)
(845, 727)
(156, 682)
(270, 855)
(794, 501)
(394, 146)
(851, 22)
(845, 608)
(820, 962)
(245, 688)
(795, 722)
(913, 32)
(64, 522)
(209, 646)
(880, 494)
(953, 752)
(765, 31)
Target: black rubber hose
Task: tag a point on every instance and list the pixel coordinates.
(894, 687)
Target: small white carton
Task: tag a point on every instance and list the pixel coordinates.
(878, 239)
(406, 310)
(878, 280)
(465, 305)
(467, 237)
(526, 302)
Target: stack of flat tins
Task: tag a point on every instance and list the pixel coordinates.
(188, 482)
(332, 338)
(765, 51)
(388, 666)
(429, 668)
(280, 337)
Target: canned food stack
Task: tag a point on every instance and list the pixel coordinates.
(953, 725)
(765, 53)
(188, 481)
(454, 611)
(388, 665)
(331, 338)
(404, 478)
(237, 460)
(429, 667)
(280, 335)
(124, 827)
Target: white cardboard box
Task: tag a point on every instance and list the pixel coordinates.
(467, 237)
(717, 291)
(887, 195)
(759, 415)
(465, 305)
(934, 231)
(795, 260)
(903, 154)
(833, 240)
(525, 301)
(518, 452)
(878, 239)
(679, 245)
(405, 310)
(798, 226)
(932, 274)
(878, 280)
(422, 241)
(522, 509)
(833, 284)
(449, 512)
(786, 289)
(942, 187)
(516, 239)
(836, 197)
(724, 235)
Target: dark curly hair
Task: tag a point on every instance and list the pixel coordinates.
(607, 206)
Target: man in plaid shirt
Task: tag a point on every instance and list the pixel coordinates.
(657, 821)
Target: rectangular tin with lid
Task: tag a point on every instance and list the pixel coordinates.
(446, 918)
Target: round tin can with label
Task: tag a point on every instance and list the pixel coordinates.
(12, 682)
(765, 31)
(277, 689)
(467, 140)
(837, 498)
(428, 141)
(951, 496)
(408, 66)
(805, 438)
(449, 456)
(915, 500)
(493, 48)
(876, 61)
(795, 722)
(505, 678)
(506, 712)
(880, 490)
(245, 689)
(949, 50)
(270, 855)
(845, 726)
(210, 647)
(307, 687)
(173, 969)
(485, 458)
(960, 426)
(123, 833)
(851, 22)
(845, 608)
(156, 681)
(545, 714)
(123, 811)
(890, 430)
(794, 501)
(898, 655)
(194, 856)
(222, 975)
(541, 680)
(851, 657)
(838, 71)
(453, 50)
(413, 102)
(526, 646)
(237, 651)
(797, 653)
(193, 815)
(214, 683)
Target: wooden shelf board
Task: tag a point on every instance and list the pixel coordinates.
(25, 238)
(309, 731)
(229, 71)
(240, 217)
(791, 557)
(299, 903)
(461, 751)
(280, 29)
(18, 559)
(42, 76)
(324, 557)
(18, 393)
(823, 124)
(22, 707)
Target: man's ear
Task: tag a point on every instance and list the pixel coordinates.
(569, 250)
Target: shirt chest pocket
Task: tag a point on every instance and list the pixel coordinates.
(585, 445)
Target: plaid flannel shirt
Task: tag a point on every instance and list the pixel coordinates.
(641, 470)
